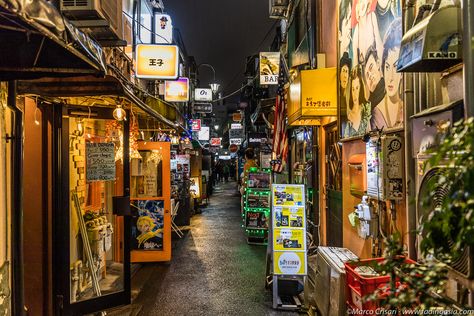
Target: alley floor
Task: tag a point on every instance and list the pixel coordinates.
(213, 270)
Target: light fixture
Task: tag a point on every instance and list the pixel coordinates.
(214, 85)
(119, 113)
(37, 122)
(216, 127)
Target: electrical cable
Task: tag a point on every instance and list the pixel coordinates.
(236, 91)
(146, 28)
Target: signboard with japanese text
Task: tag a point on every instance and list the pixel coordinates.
(177, 90)
(288, 229)
(157, 61)
(269, 68)
(163, 29)
(196, 125)
(235, 126)
(256, 139)
(319, 92)
(237, 117)
(100, 161)
(215, 141)
(236, 133)
(201, 94)
(202, 107)
(203, 133)
(235, 141)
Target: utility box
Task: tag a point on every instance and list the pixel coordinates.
(330, 280)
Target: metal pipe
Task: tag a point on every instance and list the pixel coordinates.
(468, 46)
(17, 202)
(409, 13)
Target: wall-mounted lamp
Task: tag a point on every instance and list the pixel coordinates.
(214, 85)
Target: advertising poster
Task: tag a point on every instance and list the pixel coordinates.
(269, 67)
(147, 226)
(370, 90)
(288, 229)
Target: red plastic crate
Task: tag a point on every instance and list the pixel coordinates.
(359, 286)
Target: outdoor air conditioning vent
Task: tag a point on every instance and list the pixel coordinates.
(464, 264)
(75, 3)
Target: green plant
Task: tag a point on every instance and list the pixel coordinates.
(449, 227)
(412, 285)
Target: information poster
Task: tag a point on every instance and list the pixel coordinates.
(288, 229)
(100, 161)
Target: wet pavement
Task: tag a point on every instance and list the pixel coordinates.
(213, 271)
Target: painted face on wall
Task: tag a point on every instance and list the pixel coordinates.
(392, 77)
(344, 76)
(372, 73)
(345, 32)
(355, 90)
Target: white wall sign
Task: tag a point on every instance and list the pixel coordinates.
(235, 126)
(203, 134)
(163, 29)
(235, 141)
(100, 161)
(201, 94)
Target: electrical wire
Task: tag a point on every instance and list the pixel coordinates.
(236, 91)
(146, 28)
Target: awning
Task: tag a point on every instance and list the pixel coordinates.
(37, 41)
(87, 86)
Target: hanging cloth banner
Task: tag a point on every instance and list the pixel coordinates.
(269, 68)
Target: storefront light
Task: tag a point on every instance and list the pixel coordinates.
(119, 113)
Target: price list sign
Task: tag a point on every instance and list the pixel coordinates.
(288, 229)
(100, 161)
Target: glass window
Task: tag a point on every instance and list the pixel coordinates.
(96, 176)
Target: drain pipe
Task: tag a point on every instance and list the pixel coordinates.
(409, 14)
(17, 201)
(468, 42)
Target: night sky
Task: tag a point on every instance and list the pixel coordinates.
(222, 33)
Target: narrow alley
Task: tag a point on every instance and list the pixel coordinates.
(213, 270)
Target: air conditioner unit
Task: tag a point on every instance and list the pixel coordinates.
(102, 18)
(434, 44)
(427, 133)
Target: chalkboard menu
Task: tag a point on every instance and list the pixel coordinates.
(100, 161)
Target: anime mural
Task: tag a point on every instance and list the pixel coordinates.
(147, 227)
(370, 92)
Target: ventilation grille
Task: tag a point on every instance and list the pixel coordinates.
(464, 264)
(75, 3)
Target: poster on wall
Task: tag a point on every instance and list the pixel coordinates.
(370, 89)
(288, 229)
(147, 226)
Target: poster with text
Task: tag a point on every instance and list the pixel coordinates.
(370, 89)
(288, 229)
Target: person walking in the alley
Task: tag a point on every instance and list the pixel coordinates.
(226, 172)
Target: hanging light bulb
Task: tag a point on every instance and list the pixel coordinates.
(119, 113)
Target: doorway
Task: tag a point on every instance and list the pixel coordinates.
(333, 186)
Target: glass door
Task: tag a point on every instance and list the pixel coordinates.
(93, 264)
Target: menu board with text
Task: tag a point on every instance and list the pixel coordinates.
(288, 229)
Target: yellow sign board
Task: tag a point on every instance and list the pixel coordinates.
(177, 90)
(157, 61)
(312, 96)
(288, 229)
(289, 263)
(319, 92)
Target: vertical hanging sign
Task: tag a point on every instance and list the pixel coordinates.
(288, 229)
(269, 68)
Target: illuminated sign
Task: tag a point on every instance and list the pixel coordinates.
(215, 141)
(196, 125)
(269, 68)
(156, 61)
(177, 90)
(235, 141)
(203, 134)
(201, 94)
(163, 29)
(202, 107)
(237, 117)
(319, 92)
(235, 126)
